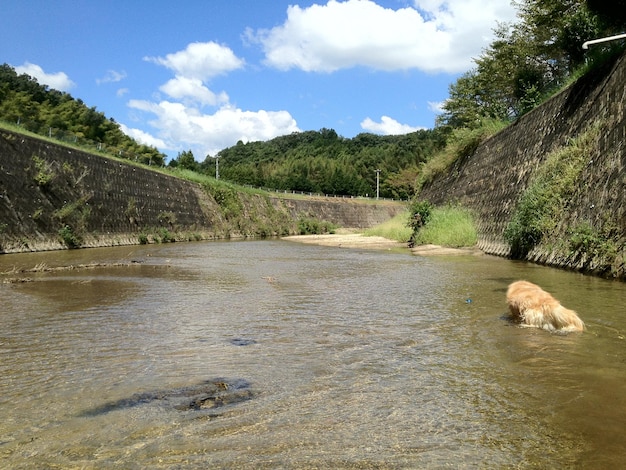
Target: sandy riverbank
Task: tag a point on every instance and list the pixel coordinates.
(358, 240)
(348, 240)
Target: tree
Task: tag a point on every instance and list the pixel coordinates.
(611, 13)
(526, 60)
(186, 161)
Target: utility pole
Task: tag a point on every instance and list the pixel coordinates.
(217, 168)
(377, 183)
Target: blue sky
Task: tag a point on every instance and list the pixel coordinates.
(201, 75)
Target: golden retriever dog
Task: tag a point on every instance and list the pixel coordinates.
(531, 306)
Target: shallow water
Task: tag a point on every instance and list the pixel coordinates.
(346, 358)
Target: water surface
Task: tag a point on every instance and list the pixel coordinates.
(343, 358)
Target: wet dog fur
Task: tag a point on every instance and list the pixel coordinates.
(531, 306)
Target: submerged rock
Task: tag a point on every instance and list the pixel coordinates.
(210, 394)
(242, 342)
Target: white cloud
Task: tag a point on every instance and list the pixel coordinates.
(387, 126)
(200, 60)
(111, 76)
(434, 36)
(181, 123)
(59, 81)
(192, 88)
(206, 134)
(143, 137)
(436, 106)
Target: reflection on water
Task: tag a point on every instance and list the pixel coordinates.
(350, 359)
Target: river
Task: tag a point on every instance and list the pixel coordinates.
(274, 354)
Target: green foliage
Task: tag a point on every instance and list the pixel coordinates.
(44, 172)
(185, 160)
(164, 236)
(529, 59)
(76, 212)
(462, 143)
(69, 237)
(540, 206)
(228, 199)
(393, 229)
(450, 226)
(312, 226)
(595, 244)
(43, 111)
(143, 239)
(419, 214)
(324, 163)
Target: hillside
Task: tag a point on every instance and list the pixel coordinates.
(324, 162)
(30, 106)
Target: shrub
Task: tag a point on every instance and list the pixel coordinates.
(311, 226)
(419, 214)
(71, 239)
(45, 172)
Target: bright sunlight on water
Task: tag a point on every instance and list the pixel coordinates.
(272, 354)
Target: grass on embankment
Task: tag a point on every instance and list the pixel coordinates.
(394, 229)
(449, 226)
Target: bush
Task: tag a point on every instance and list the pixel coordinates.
(71, 239)
(419, 214)
(311, 226)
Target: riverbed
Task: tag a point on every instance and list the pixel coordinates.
(273, 354)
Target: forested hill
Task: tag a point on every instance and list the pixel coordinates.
(39, 109)
(324, 162)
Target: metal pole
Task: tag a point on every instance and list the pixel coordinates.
(217, 168)
(598, 41)
(377, 182)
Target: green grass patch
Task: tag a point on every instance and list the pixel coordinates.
(462, 143)
(451, 226)
(393, 229)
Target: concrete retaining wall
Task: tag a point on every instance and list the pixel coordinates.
(44, 186)
(491, 180)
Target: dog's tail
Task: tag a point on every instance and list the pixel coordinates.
(566, 320)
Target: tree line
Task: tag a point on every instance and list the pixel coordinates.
(39, 109)
(324, 162)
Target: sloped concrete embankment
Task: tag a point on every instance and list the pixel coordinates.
(491, 180)
(46, 189)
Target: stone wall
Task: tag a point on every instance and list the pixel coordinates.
(44, 187)
(491, 180)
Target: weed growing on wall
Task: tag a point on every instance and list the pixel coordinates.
(44, 172)
(227, 198)
(541, 206)
(462, 143)
(595, 249)
(69, 237)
